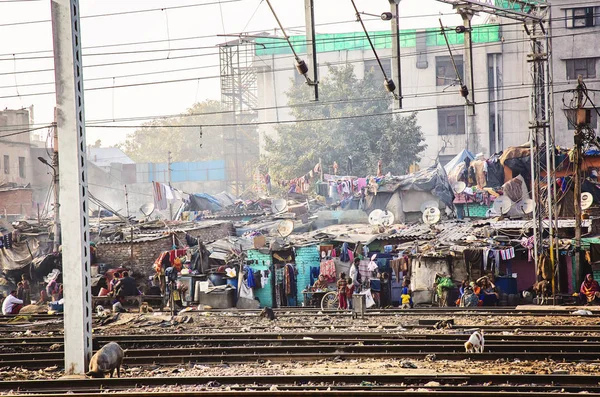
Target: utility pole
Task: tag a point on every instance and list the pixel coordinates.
(396, 72)
(577, 172)
(130, 224)
(311, 44)
(70, 122)
(169, 177)
(467, 14)
(56, 177)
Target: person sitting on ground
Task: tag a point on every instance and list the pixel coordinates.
(461, 291)
(113, 283)
(12, 304)
(320, 284)
(469, 298)
(154, 289)
(406, 294)
(118, 305)
(489, 296)
(126, 286)
(341, 288)
(590, 290)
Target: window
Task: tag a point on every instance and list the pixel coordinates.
(583, 17)
(445, 158)
(6, 164)
(372, 66)
(451, 121)
(591, 118)
(421, 47)
(445, 74)
(586, 67)
(21, 167)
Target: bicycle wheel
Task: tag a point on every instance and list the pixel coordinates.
(330, 301)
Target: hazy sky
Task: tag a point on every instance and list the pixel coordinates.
(174, 26)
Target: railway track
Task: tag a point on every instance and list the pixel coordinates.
(34, 353)
(292, 385)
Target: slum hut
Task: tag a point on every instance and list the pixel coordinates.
(149, 244)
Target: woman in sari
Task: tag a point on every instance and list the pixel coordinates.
(590, 290)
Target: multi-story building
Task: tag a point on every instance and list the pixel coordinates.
(15, 164)
(575, 51)
(429, 84)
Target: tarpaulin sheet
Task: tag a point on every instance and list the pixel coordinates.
(203, 202)
(20, 255)
(432, 179)
(459, 158)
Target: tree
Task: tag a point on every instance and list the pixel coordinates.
(97, 144)
(354, 119)
(152, 142)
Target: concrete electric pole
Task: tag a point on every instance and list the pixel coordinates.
(580, 120)
(311, 44)
(169, 176)
(70, 122)
(397, 68)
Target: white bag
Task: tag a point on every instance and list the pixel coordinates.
(370, 302)
(246, 292)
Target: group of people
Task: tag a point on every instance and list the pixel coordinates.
(21, 297)
(478, 293)
(348, 285)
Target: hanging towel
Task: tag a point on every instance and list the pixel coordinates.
(250, 278)
(160, 196)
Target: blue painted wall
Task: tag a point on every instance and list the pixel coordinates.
(182, 171)
(264, 295)
(305, 258)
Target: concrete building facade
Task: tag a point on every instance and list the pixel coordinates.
(429, 83)
(575, 51)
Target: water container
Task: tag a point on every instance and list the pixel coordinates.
(234, 283)
(217, 279)
(513, 300)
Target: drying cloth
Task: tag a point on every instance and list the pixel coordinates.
(314, 274)
(515, 189)
(544, 269)
(507, 254)
(328, 270)
(480, 167)
(396, 264)
(595, 253)
(160, 196)
(250, 278)
(473, 258)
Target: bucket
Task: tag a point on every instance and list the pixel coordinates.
(217, 279)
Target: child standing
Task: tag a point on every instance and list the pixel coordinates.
(342, 285)
(349, 293)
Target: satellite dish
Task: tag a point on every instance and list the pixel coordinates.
(502, 205)
(387, 218)
(459, 187)
(526, 206)
(147, 209)
(279, 206)
(431, 215)
(429, 204)
(586, 200)
(375, 217)
(285, 227)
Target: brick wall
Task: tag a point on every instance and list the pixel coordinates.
(145, 252)
(306, 257)
(264, 295)
(17, 201)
